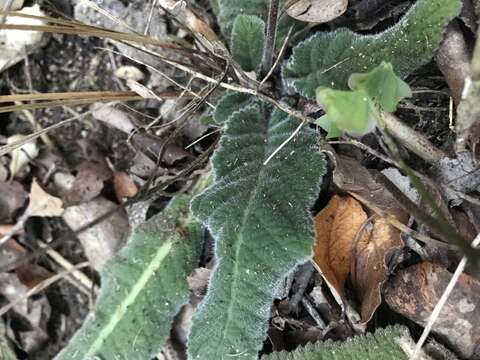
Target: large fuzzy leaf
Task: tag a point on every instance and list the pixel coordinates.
(229, 103)
(227, 11)
(259, 217)
(142, 289)
(328, 58)
(248, 41)
(384, 344)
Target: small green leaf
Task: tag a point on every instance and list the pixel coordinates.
(259, 216)
(248, 41)
(143, 288)
(386, 343)
(382, 85)
(207, 120)
(229, 103)
(329, 58)
(228, 10)
(349, 111)
(326, 124)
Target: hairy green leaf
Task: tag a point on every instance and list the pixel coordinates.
(259, 217)
(382, 85)
(384, 344)
(230, 102)
(349, 111)
(328, 58)
(248, 41)
(228, 10)
(143, 287)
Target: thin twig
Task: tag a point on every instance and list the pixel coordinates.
(366, 148)
(279, 57)
(42, 286)
(150, 16)
(282, 145)
(203, 137)
(271, 35)
(64, 263)
(443, 300)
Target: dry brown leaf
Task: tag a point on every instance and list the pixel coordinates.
(12, 198)
(369, 264)
(124, 185)
(89, 182)
(10, 255)
(317, 11)
(346, 245)
(32, 275)
(43, 204)
(336, 228)
(415, 291)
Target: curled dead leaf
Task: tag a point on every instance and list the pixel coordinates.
(318, 11)
(336, 227)
(347, 244)
(369, 264)
(415, 291)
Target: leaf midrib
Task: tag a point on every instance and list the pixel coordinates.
(121, 309)
(239, 243)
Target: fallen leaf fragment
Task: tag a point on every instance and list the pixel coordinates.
(336, 228)
(22, 155)
(415, 291)
(347, 244)
(104, 239)
(42, 203)
(14, 43)
(89, 182)
(124, 185)
(318, 11)
(12, 198)
(129, 72)
(32, 275)
(10, 254)
(369, 264)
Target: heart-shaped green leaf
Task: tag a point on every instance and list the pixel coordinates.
(382, 85)
(349, 111)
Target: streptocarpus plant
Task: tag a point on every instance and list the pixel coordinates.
(357, 111)
(257, 209)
